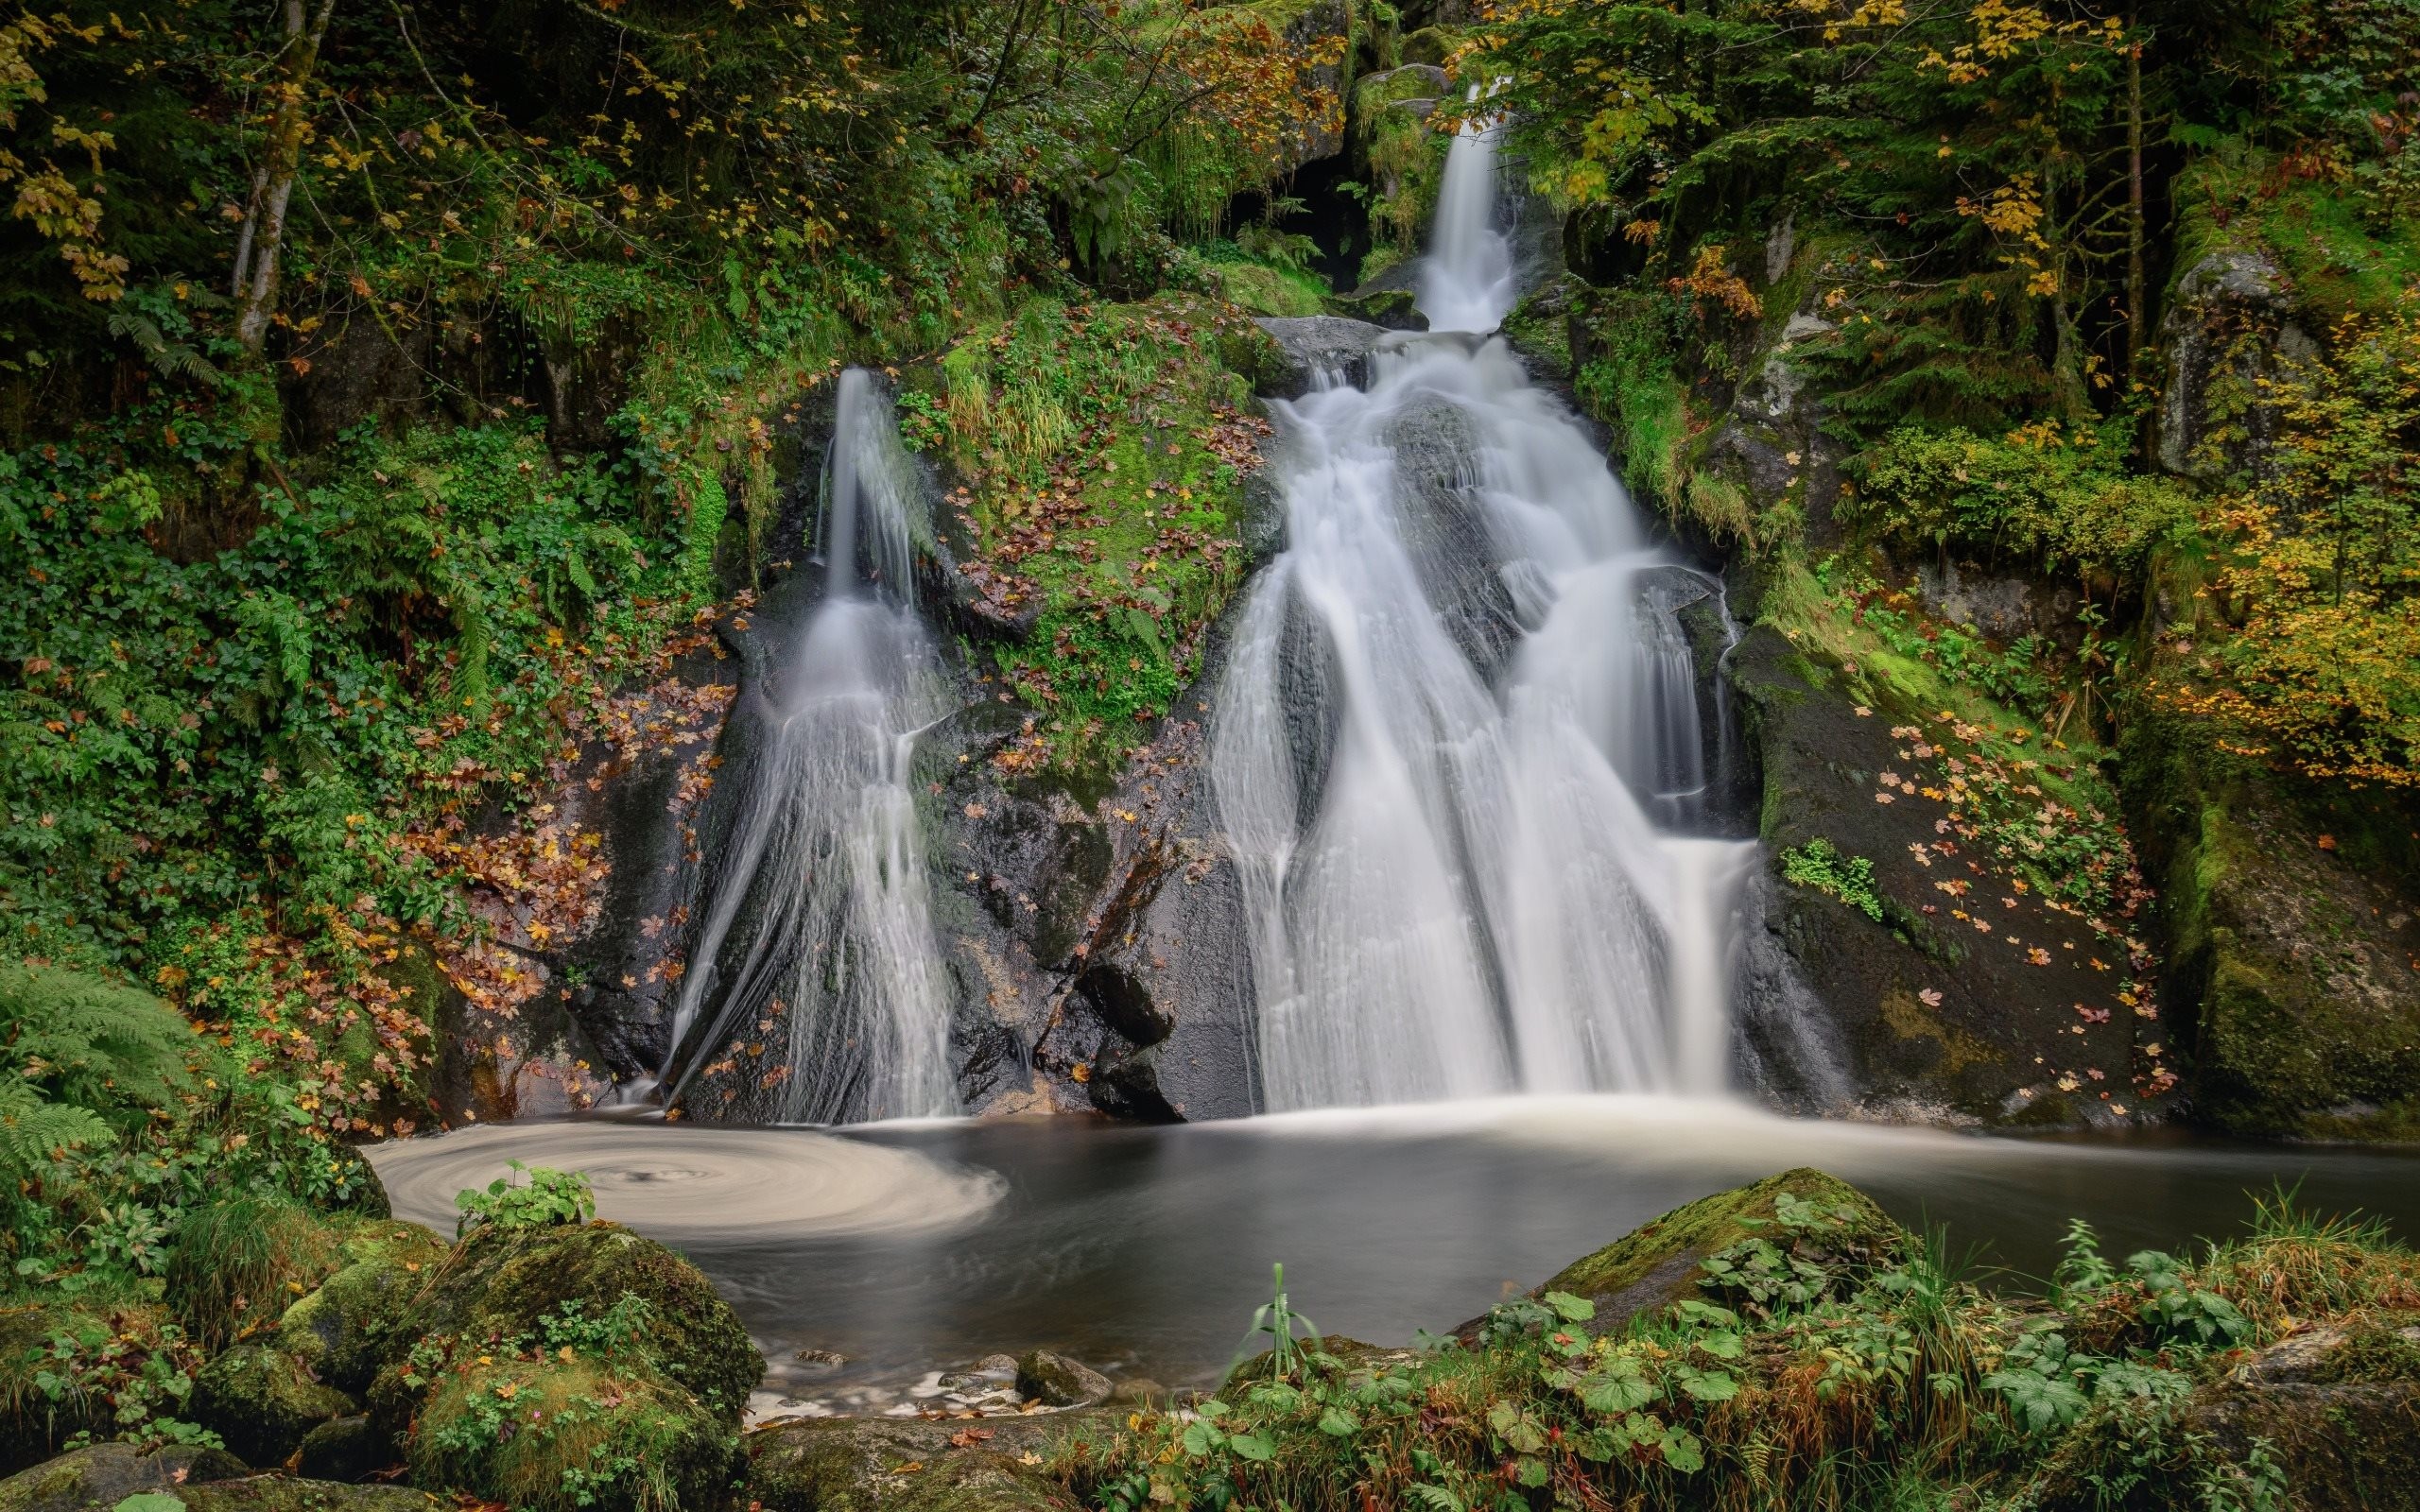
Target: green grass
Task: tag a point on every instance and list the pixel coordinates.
(1104, 451)
(2336, 258)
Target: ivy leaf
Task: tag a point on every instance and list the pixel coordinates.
(1710, 1386)
(1682, 1452)
(1251, 1446)
(1569, 1308)
(1339, 1422)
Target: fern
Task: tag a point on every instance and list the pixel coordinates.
(78, 1055)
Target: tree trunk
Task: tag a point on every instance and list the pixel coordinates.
(263, 241)
(2137, 291)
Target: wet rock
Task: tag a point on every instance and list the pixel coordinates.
(2003, 608)
(1317, 345)
(1445, 527)
(1917, 1016)
(1657, 1263)
(264, 1401)
(340, 1331)
(991, 1371)
(2229, 325)
(343, 1449)
(1056, 1381)
(2291, 916)
(106, 1474)
(890, 1465)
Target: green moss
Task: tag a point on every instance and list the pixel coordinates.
(263, 1402)
(1107, 480)
(2319, 233)
(1266, 290)
(341, 1330)
(498, 1283)
(874, 1465)
(559, 1434)
(1656, 1263)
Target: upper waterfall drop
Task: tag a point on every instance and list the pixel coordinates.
(818, 939)
(1457, 735)
(1468, 282)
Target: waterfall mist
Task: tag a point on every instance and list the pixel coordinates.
(814, 991)
(1457, 749)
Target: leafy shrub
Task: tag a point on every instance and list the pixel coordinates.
(1819, 865)
(2040, 497)
(527, 1197)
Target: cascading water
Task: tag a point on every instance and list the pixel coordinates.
(817, 946)
(1454, 710)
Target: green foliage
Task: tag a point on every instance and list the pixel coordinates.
(527, 1197)
(1882, 1381)
(82, 1060)
(238, 1262)
(1819, 865)
(2038, 498)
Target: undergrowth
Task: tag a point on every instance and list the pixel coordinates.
(1800, 1376)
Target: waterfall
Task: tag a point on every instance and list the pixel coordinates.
(1457, 744)
(815, 973)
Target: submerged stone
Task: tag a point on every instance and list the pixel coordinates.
(1056, 1381)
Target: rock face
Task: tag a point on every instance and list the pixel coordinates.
(1317, 345)
(1914, 1015)
(2291, 924)
(2230, 323)
(1657, 1263)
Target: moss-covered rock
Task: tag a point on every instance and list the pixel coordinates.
(567, 1432)
(106, 1474)
(263, 1402)
(498, 1284)
(341, 1330)
(886, 1464)
(2335, 1410)
(1055, 1381)
(2292, 916)
(343, 1449)
(1659, 1262)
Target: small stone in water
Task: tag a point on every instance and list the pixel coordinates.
(828, 1358)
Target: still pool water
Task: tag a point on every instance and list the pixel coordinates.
(910, 1249)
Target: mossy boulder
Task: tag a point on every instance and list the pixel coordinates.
(264, 1401)
(888, 1465)
(2335, 1408)
(106, 1474)
(1660, 1262)
(559, 1432)
(499, 1283)
(341, 1330)
(2292, 916)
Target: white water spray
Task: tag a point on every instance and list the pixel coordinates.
(818, 942)
(1456, 710)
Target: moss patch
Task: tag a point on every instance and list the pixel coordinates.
(264, 1402)
(341, 1330)
(1104, 454)
(1656, 1263)
(574, 1432)
(499, 1283)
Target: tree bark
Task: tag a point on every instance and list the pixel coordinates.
(261, 244)
(2137, 290)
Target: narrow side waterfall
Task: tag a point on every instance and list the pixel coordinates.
(1457, 748)
(814, 991)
